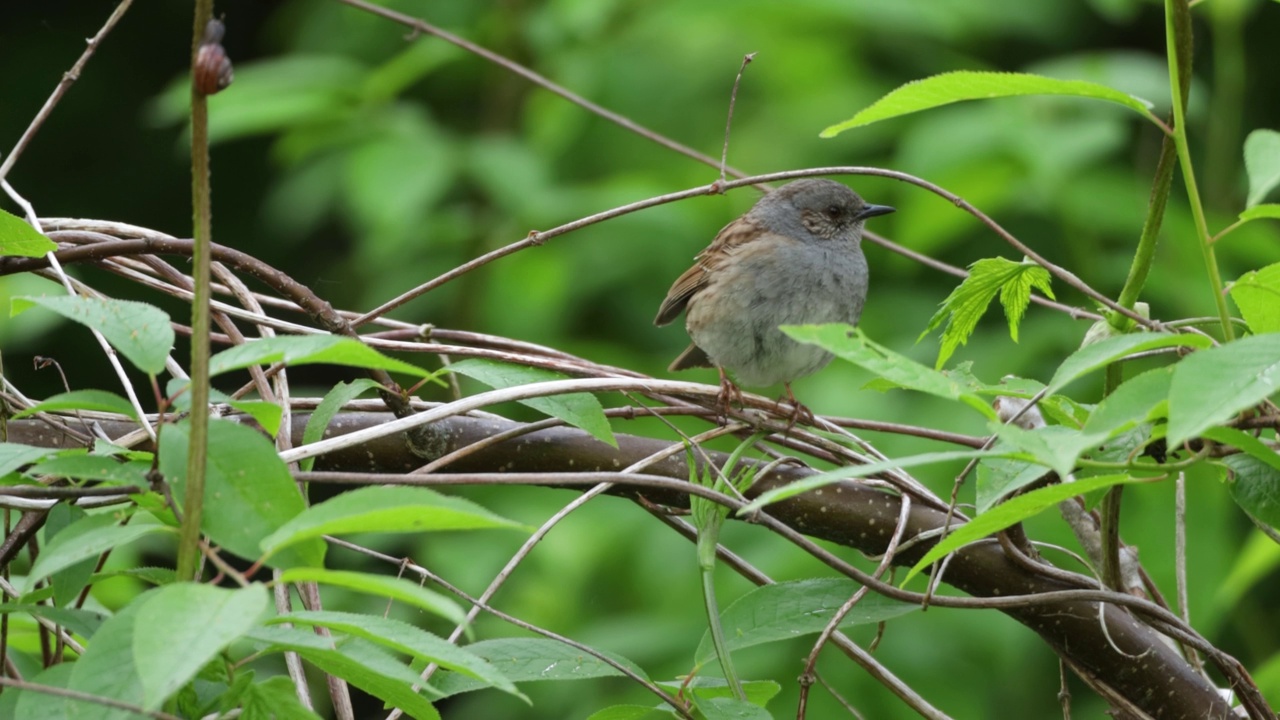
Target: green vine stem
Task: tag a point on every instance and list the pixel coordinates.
(1178, 43)
(193, 507)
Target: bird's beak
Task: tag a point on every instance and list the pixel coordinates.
(873, 210)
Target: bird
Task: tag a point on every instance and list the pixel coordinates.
(794, 258)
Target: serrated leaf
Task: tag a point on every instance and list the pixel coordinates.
(19, 239)
(533, 659)
(851, 344)
(140, 332)
(385, 509)
(275, 698)
(309, 350)
(333, 401)
(393, 588)
(248, 492)
(786, 610)
(187, 625)
(1104, 352)
(1262, 164)
(405, 638)
(1014, 511)
(968, 302)
(1255, 486)
(357, 661)
(582, 410)
(953, 87)
(1257, 294)
(86, 538)
(99, 400)
(1210, 386)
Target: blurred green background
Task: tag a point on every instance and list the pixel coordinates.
(363, 162)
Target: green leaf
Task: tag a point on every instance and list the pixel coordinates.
(785, 610)
(393, 588)
(340, 395)
(1255, 486)
(1257, 294)
(248, 491)
(953, 87)
(1000, 477)
(309, 350)
(1259, 212)
(86, 538)
(1210, 386)
(94, 467)
(268, 415)
(623, 712)
(1262, 164)
(187, 625)
(18, 238)
(405, 638)
(99, 400)
(966, 304)
(851, 344)
(386, 509)
(140, 332)
(107, 668)
(358, 662)
(1138, 399)
(274, 699)
(530, 660)
(730, 708)
(582, 410)
(82, 622)
(16, 455)
(1244, 442)
(703, 689)
(1014, 511)
(849, 472)
(1104, 352)
(68, 582)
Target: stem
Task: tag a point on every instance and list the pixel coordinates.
(1143, 256)
(193, 508)
(1178, 45)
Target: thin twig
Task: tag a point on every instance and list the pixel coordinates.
(728, 123)
(64, 85)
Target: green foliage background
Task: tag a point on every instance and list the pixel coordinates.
(363, 164)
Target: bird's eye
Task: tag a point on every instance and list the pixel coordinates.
(833, 211)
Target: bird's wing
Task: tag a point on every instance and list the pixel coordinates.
(727, 241)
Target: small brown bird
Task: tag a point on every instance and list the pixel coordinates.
(794, 258)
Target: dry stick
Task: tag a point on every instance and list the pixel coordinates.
(68, 79)
(728, 123)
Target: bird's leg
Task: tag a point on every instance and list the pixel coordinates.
(728, 391)
(798, 410)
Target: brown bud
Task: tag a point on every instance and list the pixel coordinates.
(212, 71)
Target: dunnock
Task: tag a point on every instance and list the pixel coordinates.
(794, 258)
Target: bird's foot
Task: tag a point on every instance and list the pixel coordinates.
(728, 393)
(798, 410)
